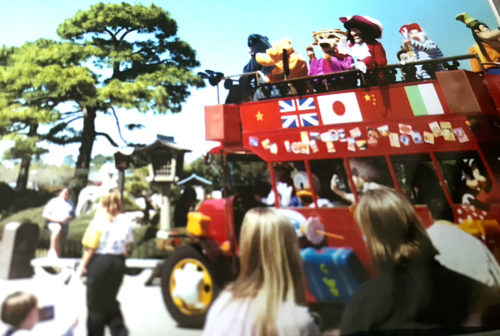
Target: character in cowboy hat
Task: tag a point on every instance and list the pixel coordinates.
(423, 47)
(362, 33)
(332, 43)
(487, 45)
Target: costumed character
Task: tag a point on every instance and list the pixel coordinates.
(487, 45)
(297, 65)
(257, 44)
(464, 253)
(284, 186)
(423, 47)
(478, 193)
(304, 192)
(362, 33)
(243, 90)
(332, 43)
(405, 55)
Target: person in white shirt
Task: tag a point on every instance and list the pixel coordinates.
(58, 213)
(268, 296)
(106, 240)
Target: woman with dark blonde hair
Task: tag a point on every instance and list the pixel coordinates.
(267, 297)
(413, 291)
(106, 243)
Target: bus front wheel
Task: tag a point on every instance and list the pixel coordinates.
(188, 286)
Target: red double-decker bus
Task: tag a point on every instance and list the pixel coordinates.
(326, 139)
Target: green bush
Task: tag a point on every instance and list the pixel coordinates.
(143, 246)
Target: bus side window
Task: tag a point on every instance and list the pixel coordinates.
(417, 178)
(465, 176)
(370, 173)
(325, 171)
(283, 172)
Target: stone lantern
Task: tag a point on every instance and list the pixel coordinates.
(165, 161)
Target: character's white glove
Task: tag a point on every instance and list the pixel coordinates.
(405, 34)
(334, 182)
(360, 66)
(285, 192)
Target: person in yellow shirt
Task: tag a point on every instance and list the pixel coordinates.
(487, 47)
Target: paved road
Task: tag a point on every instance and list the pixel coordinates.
(142, 306)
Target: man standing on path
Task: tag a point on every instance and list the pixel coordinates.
(58, 212)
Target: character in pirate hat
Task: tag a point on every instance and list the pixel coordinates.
(362, 33)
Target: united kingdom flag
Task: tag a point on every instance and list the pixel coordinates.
(298, 112)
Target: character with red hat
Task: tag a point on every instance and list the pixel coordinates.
(423, 47)
(362, 33)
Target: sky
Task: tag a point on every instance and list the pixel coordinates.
(218, 31)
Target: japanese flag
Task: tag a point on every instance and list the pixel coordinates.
(339, 108)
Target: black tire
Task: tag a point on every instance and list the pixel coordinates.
(184, 314)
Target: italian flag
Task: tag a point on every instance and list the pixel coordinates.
(424, 99)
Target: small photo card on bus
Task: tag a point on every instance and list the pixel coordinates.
(460, 134)
(428, 137)
(394, 139)
(436, 130)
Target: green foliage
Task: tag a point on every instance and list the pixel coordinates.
(211, 172)
(135, 182)
(244, 172)
(99, 160)
(149, 67)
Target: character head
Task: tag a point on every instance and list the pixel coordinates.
(258, 43)
(394, 232)
(414, 32)
(362, 28)
(271, 281)
(303, 188)
(328, 39)
(473, 177)
(481, 32)
(20, 310)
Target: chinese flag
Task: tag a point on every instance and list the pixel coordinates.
(260, 116)
(379, 103)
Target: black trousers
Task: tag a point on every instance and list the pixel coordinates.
(104, 278)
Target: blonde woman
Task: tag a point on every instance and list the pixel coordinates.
(266, 299)
(413, 291)
(106, 240)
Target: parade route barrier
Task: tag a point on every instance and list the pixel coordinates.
(64, 268)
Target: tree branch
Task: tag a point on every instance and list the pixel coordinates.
(111, 141)
(118, 124)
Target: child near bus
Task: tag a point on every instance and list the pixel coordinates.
(267, 296)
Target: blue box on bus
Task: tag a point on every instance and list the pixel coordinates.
(332, 274)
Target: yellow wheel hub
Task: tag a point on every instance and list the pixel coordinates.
(191, 286)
